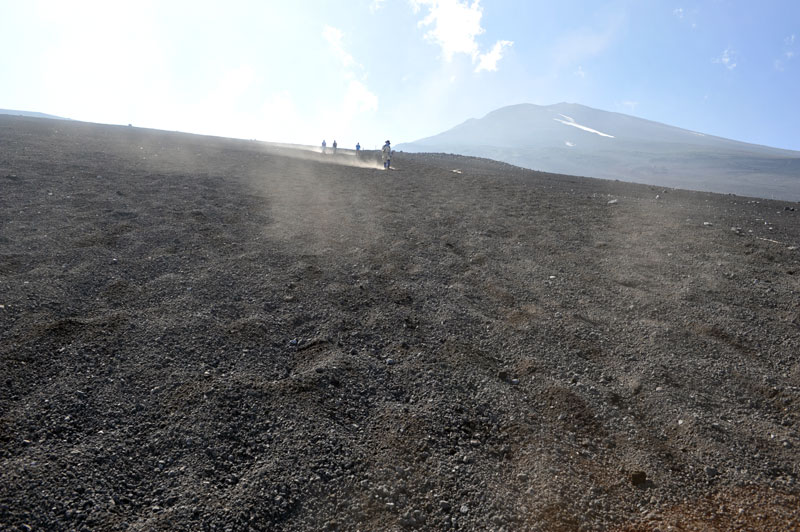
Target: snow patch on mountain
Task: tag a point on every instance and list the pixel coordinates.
(571, 122)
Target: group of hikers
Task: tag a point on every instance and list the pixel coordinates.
(386, 151)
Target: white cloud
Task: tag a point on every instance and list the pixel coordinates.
(351, 98)
(376, 5)
(454, 26)
(727, 59)
(279, 119)
(630, 104)
(358, 98)
(580, 72)
(488, 61)
(678, 12)
(334, 37)
(788, 54)
(584, 43)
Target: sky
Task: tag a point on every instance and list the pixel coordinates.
(369, 70)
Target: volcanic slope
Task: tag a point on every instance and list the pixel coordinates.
(199, 333)
(578, 140)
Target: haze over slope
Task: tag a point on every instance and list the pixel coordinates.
(33, 114)
(574, 139)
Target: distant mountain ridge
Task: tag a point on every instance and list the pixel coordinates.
(29, 113)
(570, 138)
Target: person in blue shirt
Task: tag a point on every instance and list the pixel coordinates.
(324, 144)
(358, 148)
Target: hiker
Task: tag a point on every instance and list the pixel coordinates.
(334, 146)
(358, 148)
(386, 151)
(323, 146)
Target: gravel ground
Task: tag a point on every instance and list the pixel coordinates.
(205, 334)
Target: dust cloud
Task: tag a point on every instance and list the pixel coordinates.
(365, 159)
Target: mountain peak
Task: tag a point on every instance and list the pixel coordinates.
(570, 138)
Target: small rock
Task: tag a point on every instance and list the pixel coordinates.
(503, 375)
(710, 472)
(464, 509)
(638, 478)
(444, 505)
(613, 202)
(391, 361)
(522, 477)
(707, 224)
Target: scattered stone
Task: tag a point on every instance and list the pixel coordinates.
(710, 472)
(638, 478)
(707, 224)
(522, 477)
(503, 375)
(613, 202)
(390, 362)
(464, 509)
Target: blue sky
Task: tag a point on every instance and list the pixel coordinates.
(367, 70)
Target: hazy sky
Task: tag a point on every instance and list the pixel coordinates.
(368, 70)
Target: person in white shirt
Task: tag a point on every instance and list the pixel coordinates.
(386, 151)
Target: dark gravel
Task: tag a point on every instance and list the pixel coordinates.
(207, 334)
